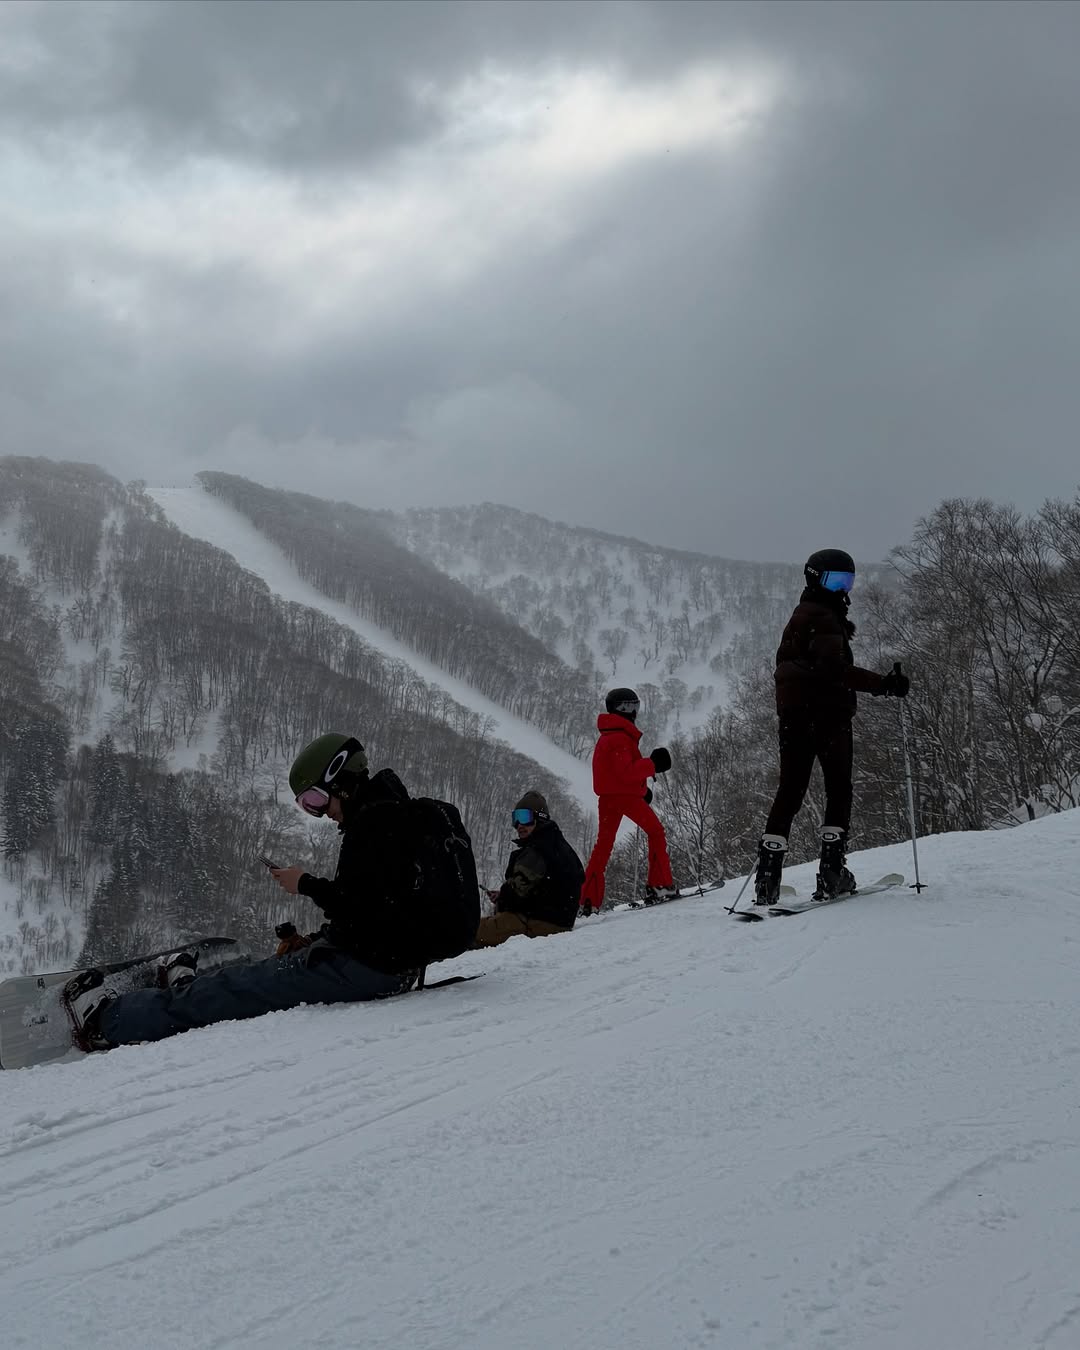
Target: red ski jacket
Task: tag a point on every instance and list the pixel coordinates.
(618, 766)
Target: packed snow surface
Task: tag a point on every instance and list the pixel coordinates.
(854, 1129)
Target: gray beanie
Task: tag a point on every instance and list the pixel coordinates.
(533, 801)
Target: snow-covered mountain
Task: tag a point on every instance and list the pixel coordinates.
(677, 625)
(212, 629)
(164, 653)
(207, 518)
(160, 672)
(854, 1129)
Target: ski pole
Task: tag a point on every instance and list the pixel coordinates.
(735, 903)
(918, 885)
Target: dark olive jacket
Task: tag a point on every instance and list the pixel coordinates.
(815, 669)
(543, 878)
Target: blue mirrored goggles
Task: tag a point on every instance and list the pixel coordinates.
(523, 815)
(837, 581)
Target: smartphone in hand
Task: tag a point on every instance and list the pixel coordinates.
(271, 865)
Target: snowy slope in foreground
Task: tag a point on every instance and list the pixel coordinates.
(854, 1129)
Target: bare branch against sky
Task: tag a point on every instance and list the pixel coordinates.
(746, 278)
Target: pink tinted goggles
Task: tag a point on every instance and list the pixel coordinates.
(314, 800)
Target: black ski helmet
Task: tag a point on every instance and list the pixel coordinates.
(827, 560)
(625, 702)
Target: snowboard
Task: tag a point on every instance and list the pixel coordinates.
(885, 883)
(34, 1025)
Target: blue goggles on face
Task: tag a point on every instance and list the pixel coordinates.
(523, 815)
(837, 581)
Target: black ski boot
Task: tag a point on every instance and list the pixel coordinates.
(833, 877)
(770, 868)
(656, 895)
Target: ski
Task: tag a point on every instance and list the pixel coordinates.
(625, 906)
(885, 883)
(758, 911)
(685, 893)
(34, 1025)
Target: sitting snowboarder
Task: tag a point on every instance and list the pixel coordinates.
(404, 894)
(543, 880)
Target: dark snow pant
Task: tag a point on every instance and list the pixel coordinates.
(316, 974)
(804, 737)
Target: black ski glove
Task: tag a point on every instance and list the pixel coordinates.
(895, 683)
(661, 760)
(648, 796)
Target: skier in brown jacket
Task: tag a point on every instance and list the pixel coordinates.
(817, 681)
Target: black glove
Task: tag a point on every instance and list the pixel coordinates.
(896, 683)
(661, 760)
(648, 796)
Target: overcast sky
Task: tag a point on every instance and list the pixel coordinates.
(747, 278)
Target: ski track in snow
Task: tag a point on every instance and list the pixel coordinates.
(851, 1129)
(210, 519)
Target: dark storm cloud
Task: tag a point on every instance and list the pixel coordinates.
(873, 304)
(304, 85)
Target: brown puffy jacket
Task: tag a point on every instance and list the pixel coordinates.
(815, 670)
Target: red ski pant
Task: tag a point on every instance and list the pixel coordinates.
(612, 809)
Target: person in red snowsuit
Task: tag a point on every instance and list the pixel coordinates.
(620, 781)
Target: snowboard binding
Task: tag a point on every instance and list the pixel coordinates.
(84, 1000)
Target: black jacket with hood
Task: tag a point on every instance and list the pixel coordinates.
(816, 672)
(370, 905)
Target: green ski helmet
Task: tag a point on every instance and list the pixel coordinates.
(321, 764)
